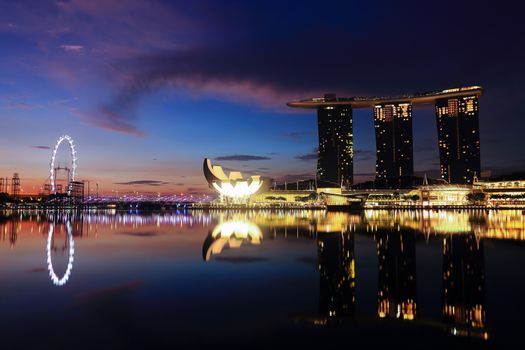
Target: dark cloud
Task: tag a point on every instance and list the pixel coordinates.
(363, 155)
(226, 169)
(41, 147)
(23, 106)
(308, 156)
(250, 70)
(115, 117)
(274, 51)
(242, 157)
(143, 182)
(431, 173)
(298, 135)
(197, 190)
(359, 155)
(297, 177)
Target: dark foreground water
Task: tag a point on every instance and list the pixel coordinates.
(304, 279)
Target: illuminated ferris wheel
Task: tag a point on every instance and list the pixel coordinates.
(70, 169)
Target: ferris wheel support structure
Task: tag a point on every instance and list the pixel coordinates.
(73, 152)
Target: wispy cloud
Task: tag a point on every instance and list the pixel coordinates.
(197, 190)
(297, 177)
(432, 173)
(110, 120)
(41, 147)
(297, 135)
(16, 102)
(72, 48)
(308, 156)
(363, 154)
(359, 155)
(242, 157)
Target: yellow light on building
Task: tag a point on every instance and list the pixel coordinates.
(233, 185)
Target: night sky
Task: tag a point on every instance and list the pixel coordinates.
(149, 88)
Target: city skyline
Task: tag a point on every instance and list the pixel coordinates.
(146, 98)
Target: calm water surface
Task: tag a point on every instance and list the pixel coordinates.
(262, 279)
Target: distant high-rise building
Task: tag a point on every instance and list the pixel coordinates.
(335, 158)
(393, 125)
(458, 131)
(15, 185)
(458, 138)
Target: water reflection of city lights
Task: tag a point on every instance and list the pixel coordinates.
(231, 234)
(54, 278)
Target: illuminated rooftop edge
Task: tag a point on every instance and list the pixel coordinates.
(371, 101)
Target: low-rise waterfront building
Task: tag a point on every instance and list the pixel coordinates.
(255, 191)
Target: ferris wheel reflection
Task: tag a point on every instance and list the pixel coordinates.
(69, 245)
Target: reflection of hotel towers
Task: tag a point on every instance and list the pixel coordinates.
(337, 273)
(464, 284)
(396, 290)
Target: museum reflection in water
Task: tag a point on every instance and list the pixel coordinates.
(463, 272)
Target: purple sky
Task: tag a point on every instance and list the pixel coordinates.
(149, 88)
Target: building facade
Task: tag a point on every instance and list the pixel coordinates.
(457, 123)
(335, 156)
(394, 146)
(458, 138)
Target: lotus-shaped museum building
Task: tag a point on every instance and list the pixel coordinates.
(233, 185)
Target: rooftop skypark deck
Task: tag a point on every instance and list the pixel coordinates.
(371, 101)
